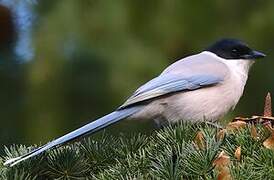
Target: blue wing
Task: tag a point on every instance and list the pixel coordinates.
(170, 83)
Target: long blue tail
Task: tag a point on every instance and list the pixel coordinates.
(87, 129)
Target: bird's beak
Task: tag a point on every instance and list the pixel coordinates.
(257, 55)
(254, 55)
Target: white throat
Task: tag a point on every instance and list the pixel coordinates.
(240, 66)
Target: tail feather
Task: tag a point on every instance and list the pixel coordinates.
(87, 129)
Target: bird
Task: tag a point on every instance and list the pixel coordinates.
(201, 87)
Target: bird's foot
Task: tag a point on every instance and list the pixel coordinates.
(214, 125)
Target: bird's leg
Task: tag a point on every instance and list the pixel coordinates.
(212, 124)
(160, 122)
(215, 125)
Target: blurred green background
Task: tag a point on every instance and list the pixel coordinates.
(66, 62)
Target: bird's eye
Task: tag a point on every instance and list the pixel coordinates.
(234, 50)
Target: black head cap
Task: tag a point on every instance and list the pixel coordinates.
(234, 49)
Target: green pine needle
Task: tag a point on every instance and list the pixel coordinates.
(168, 153)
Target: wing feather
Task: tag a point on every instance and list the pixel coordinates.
(170, 83)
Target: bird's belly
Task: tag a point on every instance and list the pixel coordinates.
(206, 104)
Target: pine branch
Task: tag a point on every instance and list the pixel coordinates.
(173, 152)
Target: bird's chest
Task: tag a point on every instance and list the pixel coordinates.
(209, 103)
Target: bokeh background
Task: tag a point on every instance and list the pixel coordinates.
(66, 62)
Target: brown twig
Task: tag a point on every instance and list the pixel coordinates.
(265, 119)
